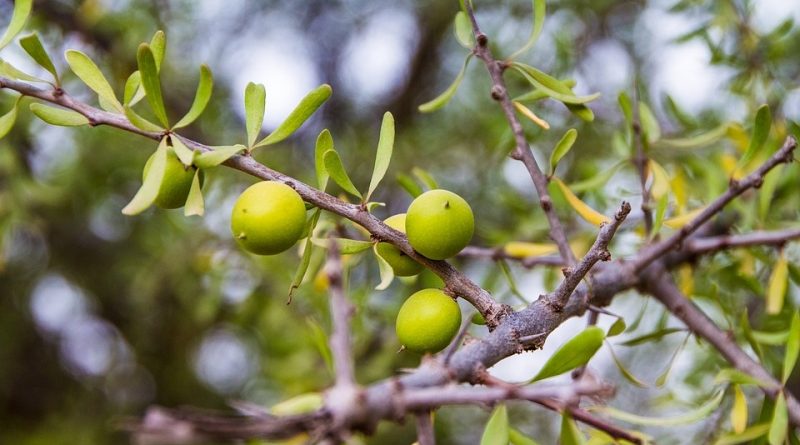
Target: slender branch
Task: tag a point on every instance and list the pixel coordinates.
(500, 254)
(457, 283)
(590, 419)
(425, 433)
(657, 282)
(724, 242)
(522, 151)
(598, 252)
(341, 313)
(641, 161)
(736, 188)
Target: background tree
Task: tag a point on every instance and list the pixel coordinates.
(104, 315)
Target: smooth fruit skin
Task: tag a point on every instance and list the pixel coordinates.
(402, 264)
(439, 224)
(177, 181)
(268, 218)
(428, 321)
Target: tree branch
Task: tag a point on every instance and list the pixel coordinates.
(724, 242)
(341, 313)
(425, 433)
(500, 254)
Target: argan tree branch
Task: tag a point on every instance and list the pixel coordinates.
(500, 254)
(522, 150)
(715, 244)
(341, 313)
(425, 433)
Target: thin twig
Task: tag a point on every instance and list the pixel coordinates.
(425, 433)
(641, 160)
(725, 242)
(341, 313)
(522, 151)
(500, 254)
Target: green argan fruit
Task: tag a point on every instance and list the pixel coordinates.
(268, 218)
(439, 224)
(402, 264)
(428, 321)
(177, 181)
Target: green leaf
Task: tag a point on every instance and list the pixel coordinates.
(184, 153)
(152, 182)
(204, 88)
(661, 211)
(701, 140)
(598, 180)
(792, 348)
(386, 271)
(552, 86)
(22, 10)
(624, 370)
(384, 153)
(570, 434)
(692, 416)
(299, 115)
(463, 30)
(767, 192)
(744, 322)
(758, 137)
(320, 339)
(754, 432)
(409, 185)
(497, 430)
(8, 70)
(442, 99)
(562, 148)
(217, 156)
(780, 421)
(512, 284)
(33, 46)
(778, 283)
(140, 122)
(581, 111)
(254, 103)
(626, 107)
(304, 403)
(651, 336)
(539, 8)
(158, 45)
(7, 120)
(662, 378)
(618, 327)
(133, 89)
(90, 74)
(300, 273)
(151, 82)
(346, 246)
(517, 438)
(739, 410)
(58, 116)
(572, 354)
(535, 94)
(324, 143)
(334, 167)
(194, 202)
(650, 126)
(425, 178)
(738, 377)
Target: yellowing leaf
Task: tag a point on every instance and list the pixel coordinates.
(527, 112)
(521, 249)
(739, 410)
(661, 181)
(589, 214)
(777, 285)
(686, 279)
(678, 186)
(681, 220)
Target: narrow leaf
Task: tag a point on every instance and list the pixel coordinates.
(384, 153)
(184, 153)
(333, 164)
(7, 120)
(386, 271)
(521, 249)
(570, 433)
(140, 122)
(517, 438)
(527, 112)
(425, 178)
(652, 336)
(204, 88)
(572, 354)
(661, 211)
(151, 82)
(539, 8)
(33, 46)
(194, 202)
(661, 181)
(152, 183)
(552, 86)
(738, 377)
(320, 339)
(512, 283)
(496, 431)
(739, 410)
(217, 156)
(662, 378)
(255, 96)
(90, 74)
(626, 107)
(301, 404)
(346, 246)
(752, 433)
(778, 282)
(300, 273)
(792, 348)
(22, 10)
(562, 148)
(587, 213)
(650, 126)
(698, 141)
(624, 370)
(744, 322)
(780, 421)
(463, 30)
(58, 116)
(767, 192)
(324, 143)
(679, 221)
(692, 416)
(158, 45)
(582, 111)
(598, 180)
(409, 185)
(299, 115)
(618, 327)
(442, 99)
(133, 89)
(759, 136)
(8, 70)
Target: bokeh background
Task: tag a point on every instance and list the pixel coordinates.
(103, 315)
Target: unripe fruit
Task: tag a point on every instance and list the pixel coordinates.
(402, 264)
(268, 218)
(428, 321)
(439, 224)
(177, 181)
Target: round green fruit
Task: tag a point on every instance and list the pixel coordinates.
(428, 321)
(402, 264)
(268, 218)
(177, 181)
(439, 224)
